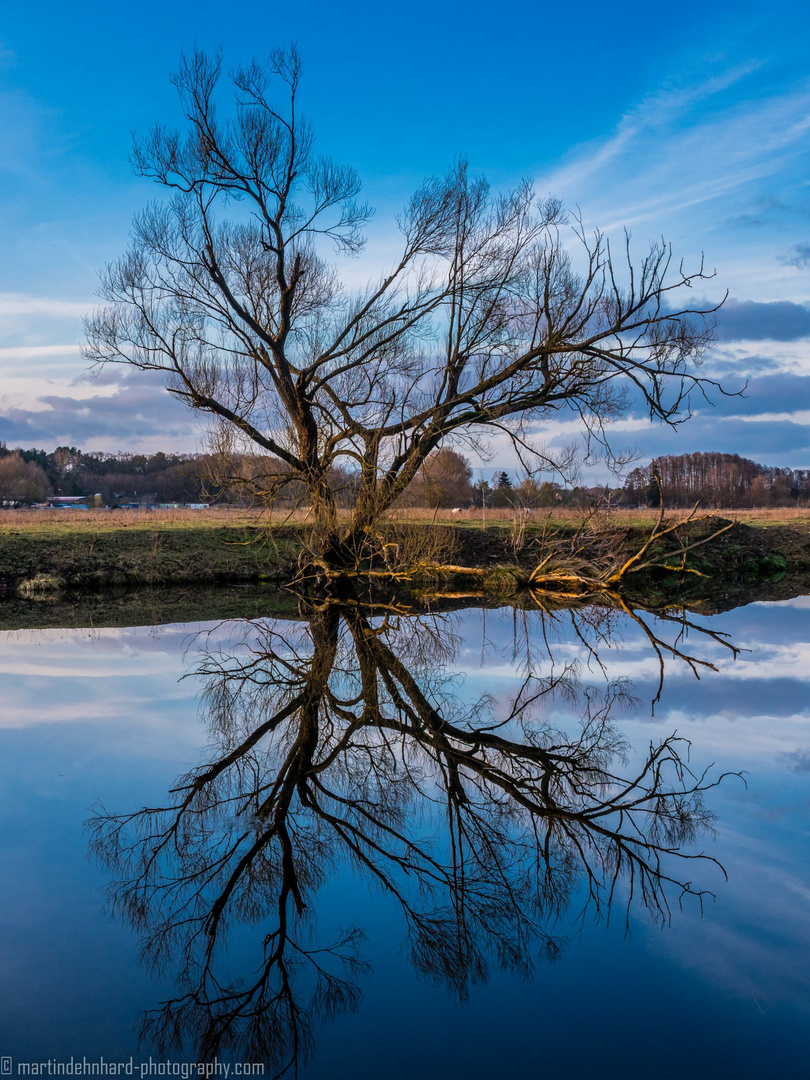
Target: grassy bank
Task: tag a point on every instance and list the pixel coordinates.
(46, 552)
(42, 552)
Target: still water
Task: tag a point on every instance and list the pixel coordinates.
(366, 844)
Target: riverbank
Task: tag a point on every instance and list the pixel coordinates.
(77, 553)
(42, 555)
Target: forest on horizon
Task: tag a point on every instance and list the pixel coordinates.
(717, 480)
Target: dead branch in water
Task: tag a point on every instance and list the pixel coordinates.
(592, 561)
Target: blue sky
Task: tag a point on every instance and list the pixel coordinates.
(692, 123)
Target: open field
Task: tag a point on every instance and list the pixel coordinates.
(619, 517)
(62, 522)
(58, 522)
(795, 517)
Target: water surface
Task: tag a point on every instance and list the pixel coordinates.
(103, 722)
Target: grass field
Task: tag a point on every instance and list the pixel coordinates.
(63, 522)
(60, 522)
(621, 518)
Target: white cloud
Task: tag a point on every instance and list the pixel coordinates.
(36, 352)
(15, 304)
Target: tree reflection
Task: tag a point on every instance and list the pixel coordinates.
(344, 738)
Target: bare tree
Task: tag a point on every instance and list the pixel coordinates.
(20, 480)
(484, 324)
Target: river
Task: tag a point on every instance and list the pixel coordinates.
(472, 843)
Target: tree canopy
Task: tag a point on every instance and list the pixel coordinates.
(498, 313)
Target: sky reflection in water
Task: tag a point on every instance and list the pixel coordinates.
(101, 716)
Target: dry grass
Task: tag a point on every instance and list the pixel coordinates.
(763, 516)
(39, 585)
(619, 517)
(98, 521)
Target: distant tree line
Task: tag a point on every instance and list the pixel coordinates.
(445, 481)
(32, 475)
(714, 480)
